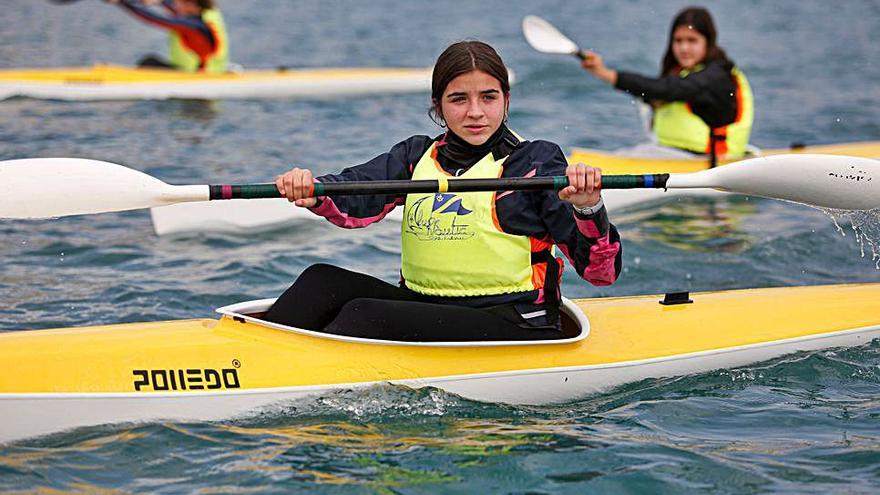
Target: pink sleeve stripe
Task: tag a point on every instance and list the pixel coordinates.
(331, 212)
(505, 193)
(600, 271)
(587, 227)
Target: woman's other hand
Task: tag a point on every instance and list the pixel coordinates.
(584, 186)
(594, 64)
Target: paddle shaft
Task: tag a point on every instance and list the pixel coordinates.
(398, 187)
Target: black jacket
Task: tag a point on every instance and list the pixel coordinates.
(710, 92)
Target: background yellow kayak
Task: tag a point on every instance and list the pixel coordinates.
(113, 82)
(611, 163)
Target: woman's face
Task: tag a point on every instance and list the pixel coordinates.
(688, 47)
(474, 106)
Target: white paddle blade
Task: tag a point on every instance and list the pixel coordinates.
(829, 181)
(545, 38)
(57, 187)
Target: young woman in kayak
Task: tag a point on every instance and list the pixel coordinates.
(197, 34)
(474, 266)
(702, 102)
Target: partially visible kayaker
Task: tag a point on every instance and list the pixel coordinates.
(474, 266)
(197, 33)
(702, 102)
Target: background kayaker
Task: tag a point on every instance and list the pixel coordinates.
(197, 33)
(702, 102)
(475, 266)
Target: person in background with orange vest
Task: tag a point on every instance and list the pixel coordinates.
(476, 265)
(702, 102)
(197, 42)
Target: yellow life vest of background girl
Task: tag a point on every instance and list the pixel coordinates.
(182, 58)
(677, 126)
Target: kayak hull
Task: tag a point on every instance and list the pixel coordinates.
(31, 415)
(197, 370)
(110, 82)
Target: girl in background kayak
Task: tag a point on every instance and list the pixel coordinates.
(474, 266)
(197, 34)
(702, 102)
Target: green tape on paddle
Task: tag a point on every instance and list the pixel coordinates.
(319, 189)
(646, 181)
(560, 182)
(245, 191)
(256, 191)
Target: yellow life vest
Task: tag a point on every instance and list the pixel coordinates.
(185, 59)
(677, 126)
(451, 243)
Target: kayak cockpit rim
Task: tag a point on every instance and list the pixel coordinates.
(251, 311)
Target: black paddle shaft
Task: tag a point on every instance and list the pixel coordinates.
(401, 187)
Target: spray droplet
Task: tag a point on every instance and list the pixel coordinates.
(865, 225)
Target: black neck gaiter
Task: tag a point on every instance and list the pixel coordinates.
(459, 154)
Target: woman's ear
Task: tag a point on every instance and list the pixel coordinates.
(438, 110)
(436, 113)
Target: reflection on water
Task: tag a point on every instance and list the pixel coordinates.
(693, 224)
(197, 111)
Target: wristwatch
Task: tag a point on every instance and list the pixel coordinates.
(589, 210)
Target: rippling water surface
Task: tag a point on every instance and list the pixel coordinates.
(803, 423)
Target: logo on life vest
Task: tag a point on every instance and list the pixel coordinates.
(442, 221)
(159, 380)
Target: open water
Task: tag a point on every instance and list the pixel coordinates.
(808, 423)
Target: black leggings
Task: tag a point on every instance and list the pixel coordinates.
(342, 302)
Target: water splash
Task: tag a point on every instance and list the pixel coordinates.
(865, 225)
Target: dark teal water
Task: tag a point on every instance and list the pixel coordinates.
(807, 423)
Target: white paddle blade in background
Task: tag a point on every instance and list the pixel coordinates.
(57, 187)
(828, 181)
(545, 38)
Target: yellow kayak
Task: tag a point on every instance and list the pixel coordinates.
(113, 82)
(214, 369)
